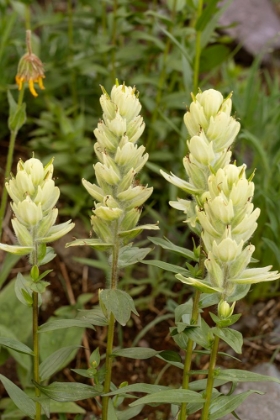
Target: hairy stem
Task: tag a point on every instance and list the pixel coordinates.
(36, 352)
(194, 320)
(35, 311)
(189, 352)
(111, 330)
(13, 136)
(210, 380)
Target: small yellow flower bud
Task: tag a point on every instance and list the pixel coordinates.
(225, 310)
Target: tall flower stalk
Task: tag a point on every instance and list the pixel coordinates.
(119, 199)
(30, 70)
(212, 131)
(222, 214)
(34, 195)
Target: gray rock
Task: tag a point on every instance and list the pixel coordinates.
(260, 407)
(257, 25)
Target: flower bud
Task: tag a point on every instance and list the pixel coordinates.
(200, 150)
(227, 250)
(211, 101)
(225, 310)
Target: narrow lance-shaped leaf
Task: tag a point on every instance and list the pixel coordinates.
(65, 391)
(20, 399)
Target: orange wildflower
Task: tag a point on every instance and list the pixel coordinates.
(30, 70)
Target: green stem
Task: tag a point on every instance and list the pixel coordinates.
(194, 320)
(111, 330)
(189, 352)
(210, 380)
(27, 17)
(13, 136)
(70, 55)
(197, 50)
(36, 376)
(108, 366)
(114, 41)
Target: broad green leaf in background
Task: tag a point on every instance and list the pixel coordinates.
(21, 400)
(14, 316)
(52, 341)
(56, 361)
(7, 264)
(14, 344)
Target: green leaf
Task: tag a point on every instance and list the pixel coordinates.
(94, 316)
(58, 324)
(237, 375)
(166, 244)
(83, 372)
(17, 114)
(68, 391)
(23, 290)
(213, 56)
(112, 415)
(52, 341)
(167, 267)
(136, 353)
(206, 15)
(129, 255)
(131, 233)
(119, 303)
(22, 358)
(170, 356)
(170, 396)
(94, 243)
(55, 362)
(7, 264)
(141, 387)
(66, 407)
(225, 404)
(130, 413)
(20, 399)
(16, 318)
(15, 345)
(232, 337)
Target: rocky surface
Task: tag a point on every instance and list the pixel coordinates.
(260, 407)
(255, 24)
